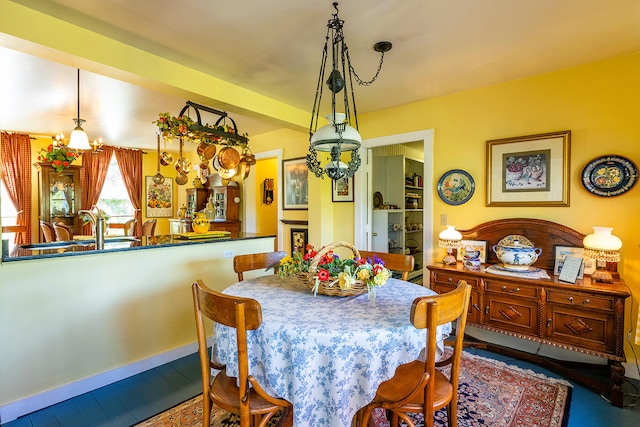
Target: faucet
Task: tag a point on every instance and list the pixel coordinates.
(97, 223)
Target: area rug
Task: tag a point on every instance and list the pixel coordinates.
(491, 393)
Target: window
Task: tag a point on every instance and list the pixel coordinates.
(114, 199)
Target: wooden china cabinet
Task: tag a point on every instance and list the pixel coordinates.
(585, 316)
(59, 195)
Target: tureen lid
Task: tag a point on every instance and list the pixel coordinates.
(515, 241)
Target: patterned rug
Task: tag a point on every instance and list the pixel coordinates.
(491, 393)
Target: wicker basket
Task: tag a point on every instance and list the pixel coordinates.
(325, 287)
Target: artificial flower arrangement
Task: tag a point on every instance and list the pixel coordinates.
(171, 127)
(59, 157)
(328, 270)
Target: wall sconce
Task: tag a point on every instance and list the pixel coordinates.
(267, 194)
(450, 240)
(604, 247)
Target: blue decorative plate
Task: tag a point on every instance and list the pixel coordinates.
(456, 187)
(609, 176)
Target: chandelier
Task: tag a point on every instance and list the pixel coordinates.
(234, 159)
(339, 136)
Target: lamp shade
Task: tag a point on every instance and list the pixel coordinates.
(602, 245)
(327, 136)
(449, 237)
(79, 139)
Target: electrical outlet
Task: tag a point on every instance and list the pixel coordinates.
(227, 253)
(443, 219)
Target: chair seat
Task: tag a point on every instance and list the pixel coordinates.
(406, 379)
(224, 393)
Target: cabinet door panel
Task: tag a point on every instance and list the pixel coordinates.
(581, 328)
(511, 314)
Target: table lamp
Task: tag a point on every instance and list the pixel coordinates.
(450, 240)
(604, 247)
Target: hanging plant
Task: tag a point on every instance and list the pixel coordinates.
(59, 157)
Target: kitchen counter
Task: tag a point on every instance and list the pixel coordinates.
(115, 244)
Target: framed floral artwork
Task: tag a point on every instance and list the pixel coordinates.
(159, 198)
(299, 240)
(342, 190)
(529, 170)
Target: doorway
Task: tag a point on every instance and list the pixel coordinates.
(363, 201)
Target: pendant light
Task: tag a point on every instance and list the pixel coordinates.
(79, 139)
(341, 134)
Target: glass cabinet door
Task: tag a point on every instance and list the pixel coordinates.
(60, 195)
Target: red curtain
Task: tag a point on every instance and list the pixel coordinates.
(130, 163)
(94, 173)
(16, 175)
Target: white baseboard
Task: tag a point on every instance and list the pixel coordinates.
(13, 410)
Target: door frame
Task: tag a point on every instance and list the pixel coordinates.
(249, 190)
(363, 200)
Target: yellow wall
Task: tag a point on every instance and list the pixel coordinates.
(266, 214)
(598, 103)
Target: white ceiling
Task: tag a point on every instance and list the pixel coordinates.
(274, 48)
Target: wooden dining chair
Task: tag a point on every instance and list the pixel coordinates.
(130, 227)
(149, 227)
(243, 395)
(395, 262)
(418, 386)
(48, 233)
(63, 232)
(248, 262)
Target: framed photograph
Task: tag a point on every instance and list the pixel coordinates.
(473, 245)
(456, 187)
(561, 252)
(295, 182)
(342, 190)
(529, 170)
(159, 198)
(299, 240)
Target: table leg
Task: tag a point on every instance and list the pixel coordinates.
(617, 376)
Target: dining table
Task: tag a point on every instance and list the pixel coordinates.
(326, 355)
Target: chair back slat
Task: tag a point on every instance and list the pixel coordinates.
(249, 262)
(395, 262)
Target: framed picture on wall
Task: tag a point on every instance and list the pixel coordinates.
(295, 184)
(342, 190)
(529, 170)
(159, 198)
(299, 240)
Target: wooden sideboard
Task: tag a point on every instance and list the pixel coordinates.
(587, 316)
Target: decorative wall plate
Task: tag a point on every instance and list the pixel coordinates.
(511, 240)
(609, 176)
(456, 187)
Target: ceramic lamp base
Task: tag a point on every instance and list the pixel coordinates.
(449, 260)
(601, 276)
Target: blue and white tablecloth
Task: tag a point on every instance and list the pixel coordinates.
(326, 355)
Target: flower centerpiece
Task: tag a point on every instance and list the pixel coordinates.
(325, 272)
(60, 157)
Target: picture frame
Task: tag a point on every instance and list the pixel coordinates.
(561, 252)
(159, 198)
(299, 240)
(455, 187)
(295, 184)
(479, 245)
(342, 190)
(530, 170)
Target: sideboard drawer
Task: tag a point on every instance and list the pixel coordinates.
(515, 289)
(581, 299)
(581, 328)
(452, 279)
(511, 314)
